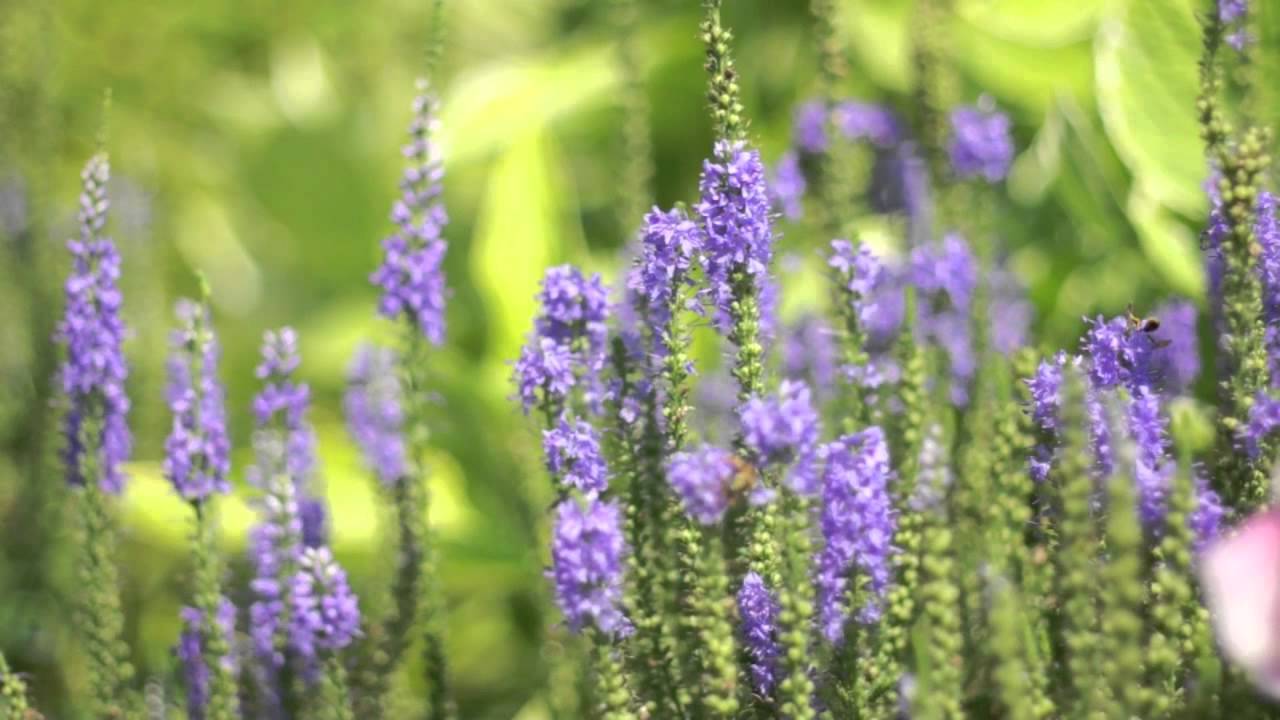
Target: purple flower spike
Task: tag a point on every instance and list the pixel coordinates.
(544, 373)
(809, 352)
(981, 144)
(190, 653)
(1152, 472)
(573, 456)
(373, 411)
(867, 121)
(326, 615)
(703, 480)
(788, 186)
(736, 219)
(411, 276)
(92, 333)
(782, 429)
(574, 308)
(669, 242)
(759, 613)
(1208, 514)
(588, 556)
(1118, 354)
(1046, 392)
(947, 276)
(1264, 418)
(1177, 356)
(197, 454)
(810, 127)
(858, 523)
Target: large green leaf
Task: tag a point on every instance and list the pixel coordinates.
(1044, 23)
(1145, 57)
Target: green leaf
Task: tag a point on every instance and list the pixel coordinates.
(1172, 249)
(1045, 23)
(1145, 54)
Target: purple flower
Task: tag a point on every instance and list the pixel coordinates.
(788, 186)
(544, 373)
(326, 615)
(858, 522)
(867, 121)
(411, 276)
(736, 219)
(1152, 471)
(1230, 11)
(1234, 15)
(575, 309)
(1264, 418)
(1009, 312)
(810, 127)
(1207, 514)
(703, 481)
(275, 547)
(669, 241)
(573, 456)
(981, 144)
(92, 333)
(809, 352)
(1046, 392)
(862, 275)
(782, 429)
(947, 276)
(190, 651)
(1099, 434)
(758, 611)
(373, 412)
(588, 555)
(197, 453)
(1118, 354)
(280, 408)
(1177, 363)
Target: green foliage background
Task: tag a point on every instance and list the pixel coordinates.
(258, 142)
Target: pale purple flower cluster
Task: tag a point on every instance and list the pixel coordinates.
(1264, 419)
(197, 453)
(858, 523)
(1177, 363)
(784, 429)
(703, 480)
(758, 611)
(788, 185)
(573, 457)
(190, 652)
(588, 555)
(1207, 515)
(325, 614)
(412, 275)
(867, 121)
(1046, 389)
(934, 478)
(1010, 313)
(569, 339)
(863, 275)
(809, 352)
(981, 144)
(275, 547)
(92, 333)
(669, 242)
(947, 275)
(1118, 354)
(1234, 15)
(736, 219)
(373, 411)
(810, 127)
(1152, 471)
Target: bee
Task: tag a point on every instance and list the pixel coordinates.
(745, 477)
(1146, 326)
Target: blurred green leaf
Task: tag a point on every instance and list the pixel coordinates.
(1044, 23)
(1173, 250)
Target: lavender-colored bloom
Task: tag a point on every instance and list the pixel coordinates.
(758, 611)
(573, 456)
(1010, 313)
(1099, 434)
(275, 547)
(703, 480)
(1118, 354)
(1234, 15)
(981, 144)
(867, 121)
(544, 373)
(1046, 392)
(1230, 11)
(862, 275)
(1207, 515)
(1152, 472)
(373, 411)
(326, 615)
(810, 127)
(190, 651)
(669, 242)
(197, 453)
(1176, 363)
(781, 429)
(411, 276)
(809, 352)
(314, 517)
(858, 522)
(1264, 418)
(281, 406)
(736, 219)
(588, 556)
(788, 186)
(575, 310)
(947, 276)
(92, 332)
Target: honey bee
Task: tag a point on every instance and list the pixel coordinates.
(745, 477)
(1145, 325)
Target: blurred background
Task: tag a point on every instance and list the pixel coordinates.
(259, 143)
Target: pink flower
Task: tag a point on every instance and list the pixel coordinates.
(1241, 575)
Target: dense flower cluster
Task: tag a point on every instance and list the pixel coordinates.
(947, 276)
(568, 343)
(325, 614)
(373, 411)
(411, 276)
(1177, 364)
(809, 352)
(197, 454)
(190, 652)
(572, 451)
(759, 625)
(867, 121)
(588, 553)
(669, 242)
(1152, 472)
(783, 429)
(788, 186)
(1234, 15)
(863, 276)
(857, 523)
(981, 145)
(736, 219)
(92, 334)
